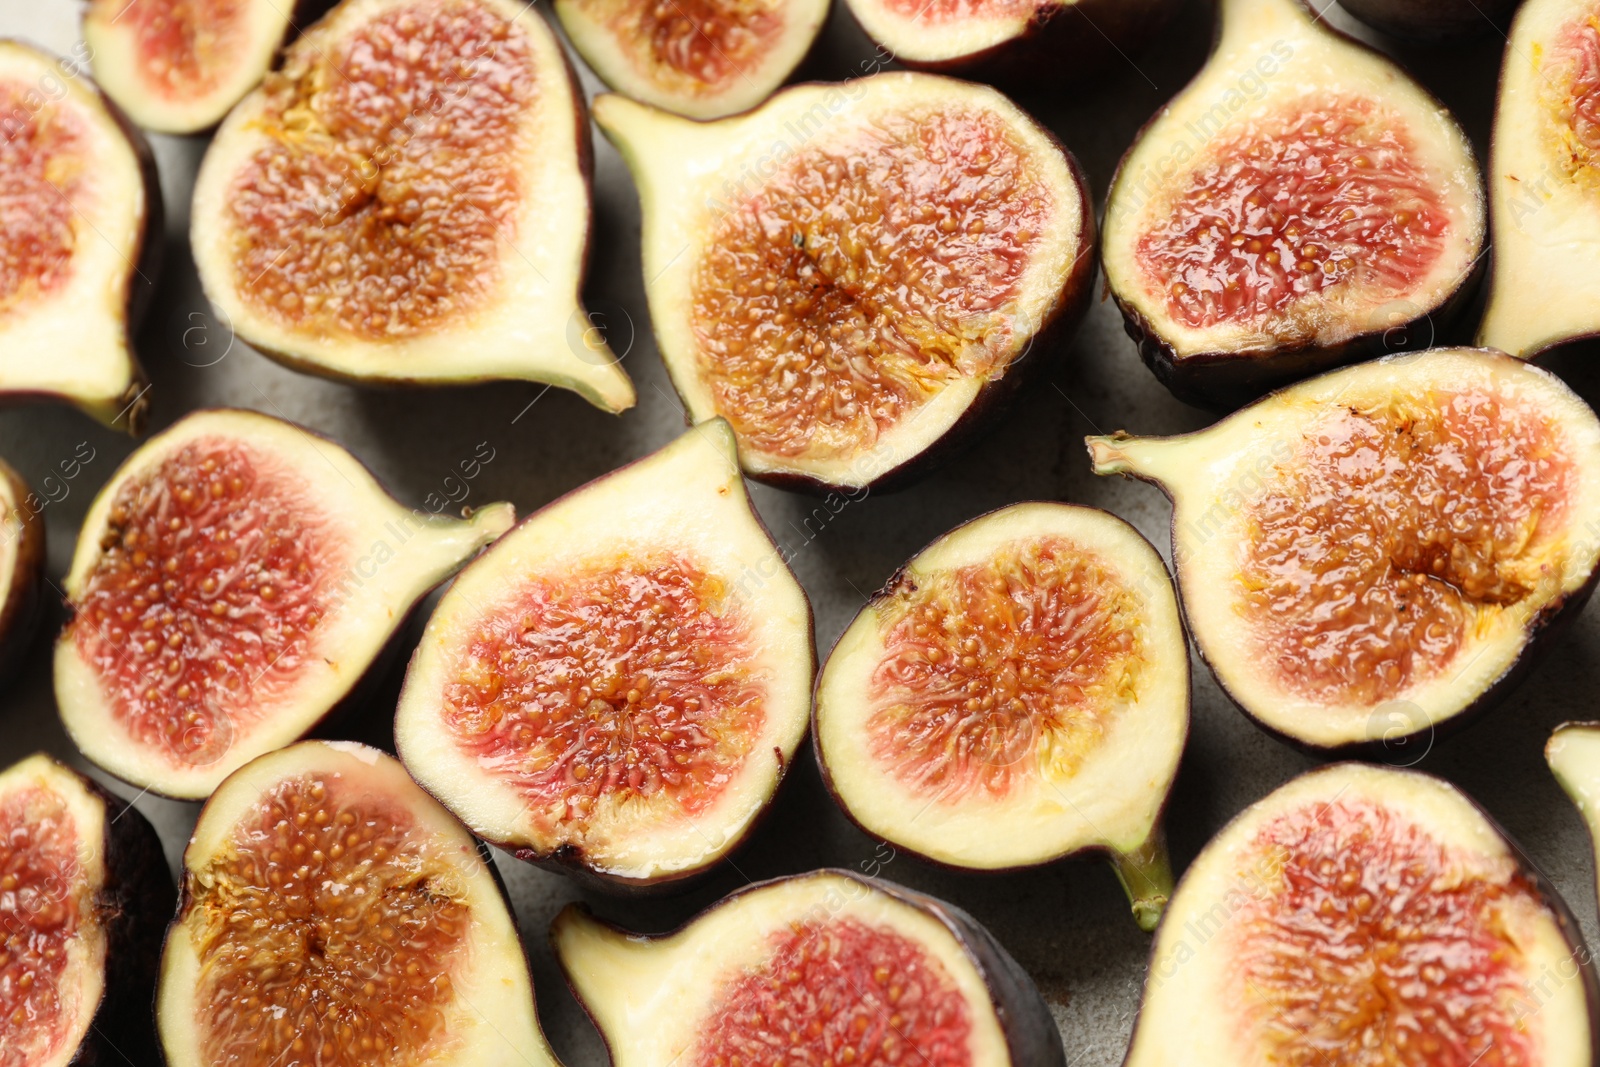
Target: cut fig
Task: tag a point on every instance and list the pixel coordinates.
(1018, 692)
(406, 200)
(1300, 205)
(233, 581)
(855, 304)
(334, 914)
(1013, 41)
(1366, 915)
(177, 66)
(1431, 20)
(618, 686)
(826, 967)
(1374, 554)
(699, 58)
(1573, 753)
(22, 552)
(84, 899)
(80, 209)
(1544, 182)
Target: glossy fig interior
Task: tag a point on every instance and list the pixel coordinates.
(1382, 545)
(333, 913)
(232, 582)
(621, 682)
(1362, 912)
(1018, 692)
(406, 200)
(827, 965)
(825, 303)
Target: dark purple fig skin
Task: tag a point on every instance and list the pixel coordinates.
(997, 394)
(571, 860)
(900, 577)
(23, 608)
(1545, 631)
(334, 723)
(1032, 1038)
(1545, 889)
(1063, 43)
(1432, 20)
(1224, 381)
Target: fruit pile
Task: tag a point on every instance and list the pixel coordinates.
(848, 282)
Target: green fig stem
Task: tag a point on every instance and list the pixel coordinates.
(1146, 876)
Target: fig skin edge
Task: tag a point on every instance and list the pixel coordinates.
(1145, 873)
(1032, 1037)
(1565, 920)
(1544, 630)
(1222, 382)
(1045, 348)
(570, 860)
(23, 610)
(371, 679)
(1432, 21)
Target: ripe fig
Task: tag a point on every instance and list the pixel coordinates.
(618, 686)
(1300, 205)
(84, 898)
(333, 914)
(829, 967)
(1544, 182)
(406, 199)
(177, 66)
(1369, 557)
(1014, 41)
(1365, 915)
(233, 581)
(82, 224)
(1573, 753)
(1018, 692)
(700, 58)
(854, 275)
(1431, 20)
(22, 552)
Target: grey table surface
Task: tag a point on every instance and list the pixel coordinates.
(1066, 923)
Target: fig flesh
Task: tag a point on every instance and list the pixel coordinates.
(1544, 182)
(1018, 692)
(828, 967)
(84, 899)
(1573, 753)
(406, 200)
(702, 59)
(1300, 205)
(177, 66)
(812, 271)
(22, 552)
(82, 223)
(618, 686)
(1366, 915)
(1012, 41)
(232, 583)
(1431, 20)
(333, 914)
(1370, 556)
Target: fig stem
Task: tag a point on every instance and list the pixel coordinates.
(1146, 876)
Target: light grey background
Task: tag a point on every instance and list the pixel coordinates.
(1067, 924)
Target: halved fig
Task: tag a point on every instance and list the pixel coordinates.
(22, 552)
(177, 66)
(854, 275)
(1377, 553)
(407, 200)
(1366, 915)
(233, 581)
(1012, 40)
(84, 899)
(1300, 205)
(1573, 753)
(618, 686)
(1431, 20)
(1544, 181)
(700, 58)
(826, 967)
(80, 208)
(1018, 692)
(333, 914)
